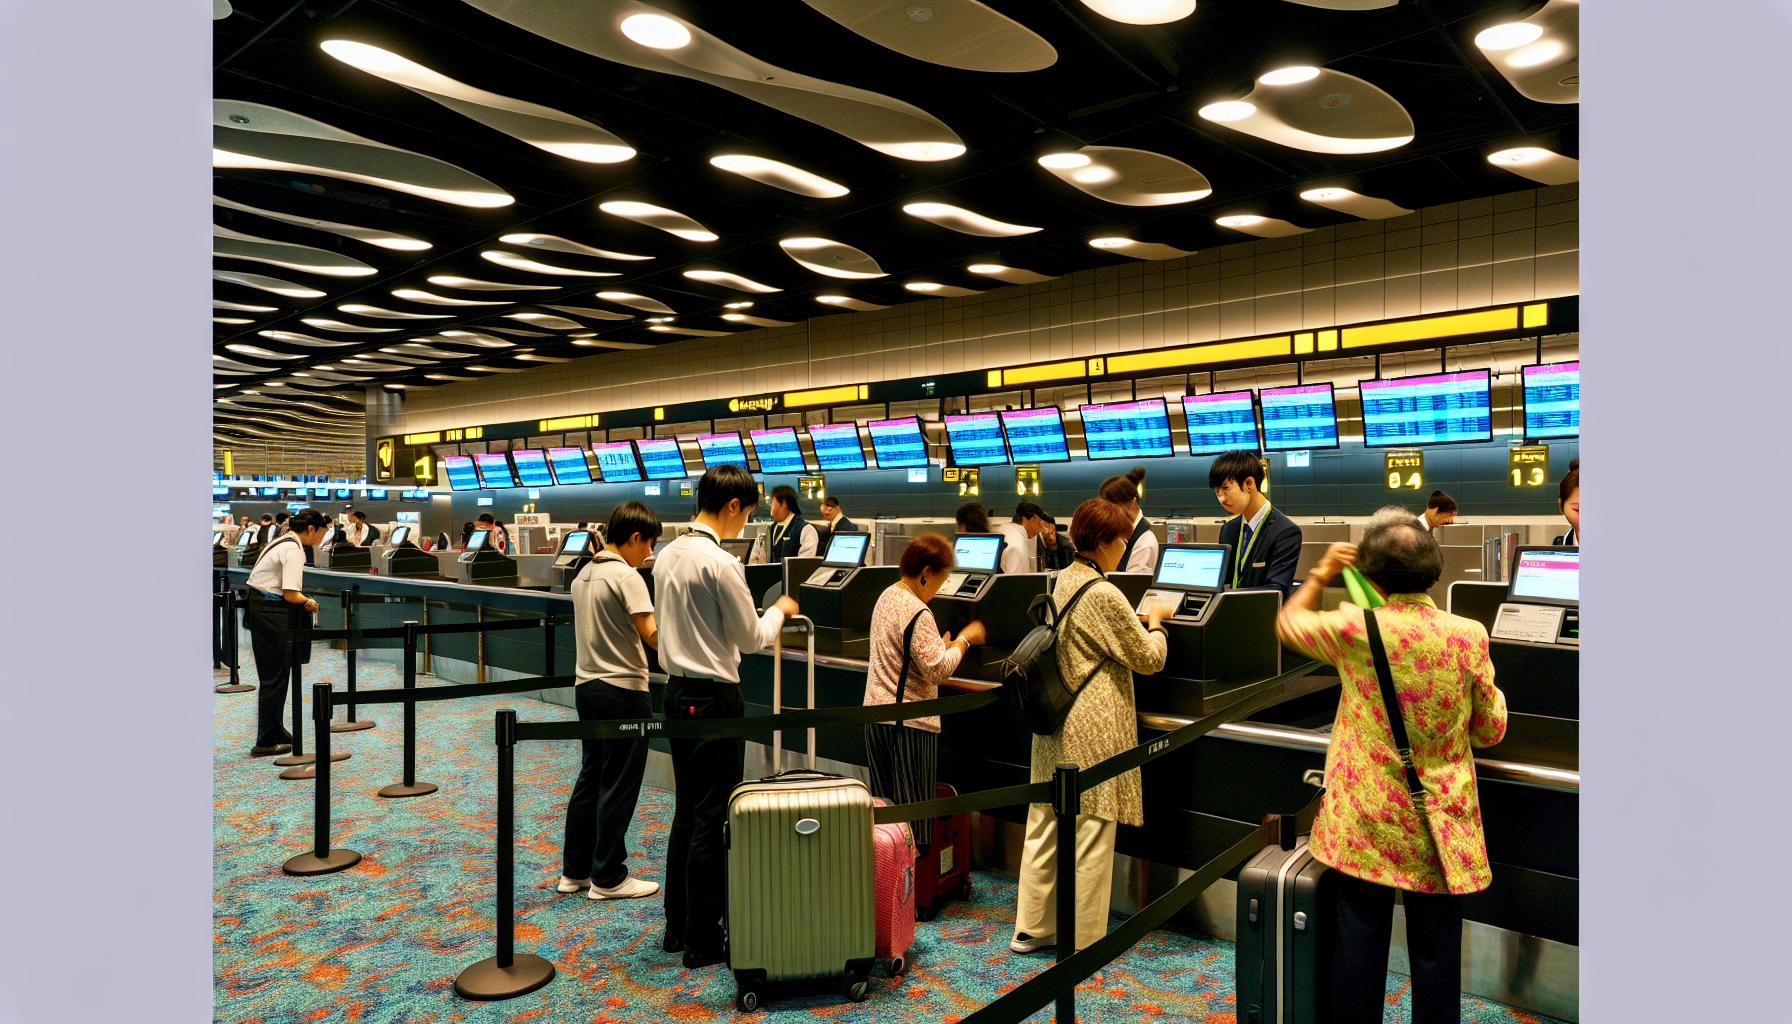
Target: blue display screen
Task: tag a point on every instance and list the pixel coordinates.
(1036, 435)
(1298, 417)
(532, 467)
(1552, 400)
(722, 449)
(1191, 567)
(1127, 430)
(1221, 422)
(1438, 408)
(976, 439)
(837, 446)
(661, 458)
(376, 495)
(569, 465)
(461, 475)
(778, 451)
(898, 443)
(616, 461)
(494, 470)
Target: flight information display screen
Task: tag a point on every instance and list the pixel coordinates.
(1437, 408)
(847, 548)
(1036, 435)
(1298, 417)
(977, 550)
(898, 443)
(616, 462)
(722, 449)
(976, 439)
(1225, 421)
(532, 467)
(1547, 575)
(494, 470)
(837, 446)
(569, 465)
(1552, 401)
(1127, 430)
(1192, 567)
(344, 492)
(778, 451)
(461, 475)
(661, 458)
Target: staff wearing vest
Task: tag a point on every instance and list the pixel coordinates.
(361, 532)
(1440, 510)
(1265, 543)
(278, 575)
(1141, 545)
(791, 534)
(1569, 493)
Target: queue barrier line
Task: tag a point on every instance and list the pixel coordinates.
(739, 728)
(454, 691)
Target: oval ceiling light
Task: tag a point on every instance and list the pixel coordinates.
(1142, 12)
(1509, 36)
(589, 313)
(259, 137)
(1011, 275)
(241, 308)
(1131, 177)
(756, 321)
(389, 314)
(728, 280)
(473, 338)
(1063, 161)
(1262, 227)
(262, 353)
(558, 244)
(267, 284)
(552, 323)
(636, 301)
(1345, 201)
(964, 221)
(236, 245)
(473, 284)
(1537, 164)
(779, 175)
(1346, 5)
(545, 128)
(1325, 112)
(883, 123)
(670, 221)
(692, 331)
(737, 305)
(383, 239)
(832, 259)
(337, 325)
(1140, 250)
(230, 320)
(961, 34)
(1540, 55)
(418, 295)
(293, 338)
(515, 262)
(934, 288)
(847, 302)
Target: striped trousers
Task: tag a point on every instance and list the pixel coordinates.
(904, 768)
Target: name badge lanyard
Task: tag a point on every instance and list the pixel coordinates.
(1244, 554)
(779, 529)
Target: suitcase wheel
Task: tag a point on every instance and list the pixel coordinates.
(898, 967)
(856, 991)
(924, 913)
(746, 1000)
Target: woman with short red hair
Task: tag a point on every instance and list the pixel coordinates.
(1100, 645)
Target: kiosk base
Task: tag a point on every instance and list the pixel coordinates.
(848, 643)
(312, 864)
(399, 790)
(487, 980)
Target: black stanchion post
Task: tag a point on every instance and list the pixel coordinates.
(547, 639)
(506, 974)
(352, 724)
(321, 860)
(229, 608)
(410, 786)
(298, 763)
(1067, 802)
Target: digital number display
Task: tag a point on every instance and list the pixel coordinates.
(778, 451)
(1438, 408)
(661, 458)
(1552, 400)
(616, 462)
(722, 449)
(837, 446)
(1036, 435)
(532, 467)
(898, 443)
(1298, 417)
(976, 439)
(1404, 470)
(1222, 422)
(1127, 430)
(569, 465)
(494, 470)
(461, 474)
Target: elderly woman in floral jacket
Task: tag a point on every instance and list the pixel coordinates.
(1368, 828)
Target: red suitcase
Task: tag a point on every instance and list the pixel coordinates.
(893, 860)
(945, 873)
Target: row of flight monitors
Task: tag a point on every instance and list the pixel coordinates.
(372, 493)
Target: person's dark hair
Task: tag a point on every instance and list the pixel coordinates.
(1097, 522)
(1398, 554)
(1026, 510)
(972, 518)
(723, 484)
(1123, 490)
(1442, 502)
(358, 514)
(631, 518)
(928, 551)
(787, 494)
(487, 517)
(1235, 467)
(1570, 483)
(267, 517)
(307, 519)
(466, 534)
(829, 502)
(281, 517)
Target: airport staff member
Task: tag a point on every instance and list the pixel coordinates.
(836, 518)
(278, 576)
(791, 533)
(1141, 544)
(361, 532)
(706, 618)
(499, 538)
(972, 518)
(1055, 551)
(1265, 543)
(1568, 494)
(1440, 510)
(1028, 523)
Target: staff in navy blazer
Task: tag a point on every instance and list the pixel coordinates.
(1265, 543)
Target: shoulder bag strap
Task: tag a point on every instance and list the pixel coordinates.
(1058, 622)
(908, 654)
(1390, 703)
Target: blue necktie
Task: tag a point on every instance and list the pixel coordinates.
(1244, 544)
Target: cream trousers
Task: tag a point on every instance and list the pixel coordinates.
(1037, 914)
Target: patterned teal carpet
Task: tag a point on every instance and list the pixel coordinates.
(383, 940)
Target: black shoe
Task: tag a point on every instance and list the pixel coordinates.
(278, 748)
(671, 943)
(695, 958)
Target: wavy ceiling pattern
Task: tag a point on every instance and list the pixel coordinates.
(960, 34)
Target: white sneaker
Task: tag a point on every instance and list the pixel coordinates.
(632, 888)
(1028, 943)
(573, 884)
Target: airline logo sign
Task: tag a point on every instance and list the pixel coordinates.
(761, 403)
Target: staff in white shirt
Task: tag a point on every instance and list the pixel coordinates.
(1141, 546)
(706, 619)
(279, 577)
(1029, 522)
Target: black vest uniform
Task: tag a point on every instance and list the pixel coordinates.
(1143, 527)
(266, 617)
(790, 543)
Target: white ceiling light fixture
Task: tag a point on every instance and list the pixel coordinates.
(779, 175)
(236, 245)
(1228, 110)
(241, 308)
(589, 313)
(1509, 36)
(727, 280)
(522, 333)
(756, 321)
(1289, 76)
(656, 31)
(552, 323)
(963, 34)
(1326, 111)
(476, 285)
(737, 305)
(1010, 275)
(389, 314)
(1537, 164)
(964, 221)
(847, 302)
(670, 221)
(1262, 227)
(1130, 177)
(1540, 55)
(692, 331)
(431, 298)
(515, 262)
(661, 319)
(1357, 205)
(558, 244)
(231, 320)
(337, 325)
(947, 291)
(830, 258)
(267, 284)
(294, 338)
(1063, 161)
(1140, 250)
(1142, 12)
(636, 301)
(383, 239)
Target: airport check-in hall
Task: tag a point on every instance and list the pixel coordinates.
(897, 511)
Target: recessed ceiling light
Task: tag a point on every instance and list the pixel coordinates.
(1229, 110)
(1109, 243)
(1094, 175)
(396, 387)
(230, 320)
(1242, 220)
(737, 305)
(1316, 194)
(922, 286)
(1536, 53)
(656, 30)
(1289, 76)
(734, 316)
(659, 319)
(1520, 155)
(986, 268)
(1506, 37)
(1064, 161)
(1143, 12)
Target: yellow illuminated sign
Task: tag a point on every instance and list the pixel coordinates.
(760, 403)
(1432, 327)
(949, 474)
(827, 396)
(432, 437)
(1049, 371)
(812, 488)
(569, 423)
(1198, 355)
(1528, 465)
(424, 471)
(229, 470)
(1405, 470)
(1026, 481)
(968, 482)
(384, 452)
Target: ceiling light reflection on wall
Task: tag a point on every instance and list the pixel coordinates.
(656, 31)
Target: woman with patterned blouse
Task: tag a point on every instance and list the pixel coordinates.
(1100, 645)
(1368, 828)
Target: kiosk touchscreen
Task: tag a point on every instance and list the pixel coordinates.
(405, 558)
(576, 549)
(401, 535)
(475, 544)
(840, 594)
(220, 550)
(976, 588)
(1189, 576)
(1219, 640)
(739, 547)
(248, 546)
(489, 568)
(1542, 603)
(845, 553)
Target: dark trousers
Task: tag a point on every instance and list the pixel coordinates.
(603, 798)
(1360, 957)
(273, 673)
(904, 767)
(704, 772)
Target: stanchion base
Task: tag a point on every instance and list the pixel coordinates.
(355, 726)
(233, 688)
(486, 980)
(399, 789)
(289, 760)
(312, 864)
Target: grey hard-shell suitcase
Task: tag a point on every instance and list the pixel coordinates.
(800, 883)
(1286, 928)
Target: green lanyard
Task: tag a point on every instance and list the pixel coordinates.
(1244, 553)
(779, 529)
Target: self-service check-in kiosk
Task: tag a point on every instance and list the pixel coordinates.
(1534, 646)
(483, 567)
(1219, 640)
(976, 588)
(338, 553)
(220, 550)
(575, 551)
(405, 558)
(840, 594)
(248, 547)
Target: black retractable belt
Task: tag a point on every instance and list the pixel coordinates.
(1390, 702)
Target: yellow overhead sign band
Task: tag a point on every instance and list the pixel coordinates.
(826, 396)
(1536, 315)
(1196, 355)
(1431, 327)
(433, 437)
(569, 423)
(1049, 371)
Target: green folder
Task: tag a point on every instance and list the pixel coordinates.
(1362, 593)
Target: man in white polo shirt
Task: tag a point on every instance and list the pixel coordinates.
(278, 602)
